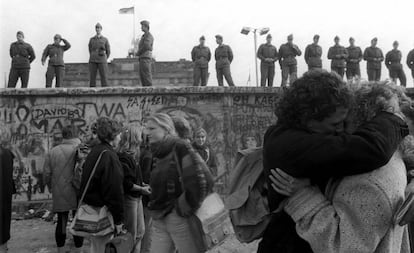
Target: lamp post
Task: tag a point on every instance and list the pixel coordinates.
(262, 31)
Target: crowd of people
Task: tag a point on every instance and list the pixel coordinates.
(344, 60)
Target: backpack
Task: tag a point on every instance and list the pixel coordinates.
(247, 199)
(81, 152)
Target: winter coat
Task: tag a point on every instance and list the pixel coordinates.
(60, 164)
(356, 214)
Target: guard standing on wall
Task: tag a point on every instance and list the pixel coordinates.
(410, 61)
(394, 66)
(56, 66)
(352, 62)
(22, 55)
(224, 57)
(268, 55)
(373, 55)
(287, 60)
(338, 54)
(201, 56)
(313, 54)
(145, 54)
(99, 51)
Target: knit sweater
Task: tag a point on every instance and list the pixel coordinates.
(356, 213)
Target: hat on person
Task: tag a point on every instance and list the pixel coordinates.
(145, 23)
(219, 37)
(57, 36)
(21, 33)
(202, 37)
(98, 25)
(351, 38)
(316, 36)
(336, 37)
(290, 37)
(395, 43)
(375, 39)
(269, 36)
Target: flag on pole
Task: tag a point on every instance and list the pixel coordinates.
(248, 80)
(129, 10)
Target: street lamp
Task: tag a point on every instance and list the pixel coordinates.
(262, 31)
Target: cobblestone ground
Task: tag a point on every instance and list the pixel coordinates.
(37, 236)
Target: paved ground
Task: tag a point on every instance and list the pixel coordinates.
(37, 236)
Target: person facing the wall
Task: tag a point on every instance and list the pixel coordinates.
(145, 54)
(56, 66)
(59, 165)
(99, 52)
(22, 55)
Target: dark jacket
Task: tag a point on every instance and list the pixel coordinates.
(410, 59)
(106, 187)
(167, 182)
(287, 54)
(201, 55)
(7, 189)
(354, 57)
(393, 60)
(132, 174)
(267, 51)
(208, 156)
(313, 54)
(223, 56)
(22, 55)
(55, 53)
(145, 46)
(319, 157)
(338, 55)
(99, 49)
(374, 57)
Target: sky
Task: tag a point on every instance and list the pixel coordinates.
(177, 25)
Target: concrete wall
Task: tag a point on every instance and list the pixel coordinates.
(35, 117)
(125, 72)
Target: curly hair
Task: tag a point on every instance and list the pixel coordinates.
(314, 96)
(107, 129)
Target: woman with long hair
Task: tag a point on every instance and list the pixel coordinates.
(178, 185)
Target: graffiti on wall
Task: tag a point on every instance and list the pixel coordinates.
(232, 121)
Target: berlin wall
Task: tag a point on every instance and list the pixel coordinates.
(36, 116)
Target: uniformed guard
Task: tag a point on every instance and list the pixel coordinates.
(394, 66)
(338, 55)
(223, 56)
(22, 55)
(313, 54)
(145, 54)
(352, 62)
(56, 66)
(287, 60)
(374, 56)
(201, 56)
(410, 62)
(268, 55)
(99, 51)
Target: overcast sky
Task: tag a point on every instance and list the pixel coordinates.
(177, 25)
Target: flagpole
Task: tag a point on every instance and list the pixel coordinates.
(133, 25)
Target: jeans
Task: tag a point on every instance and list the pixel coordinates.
(103, 73)
(52, 71)
(98, 243)
(134, 219)
(145, 71)
(374, 74)
(224, 71)
(146, 240)
(200, 74)
(60, 232)
(267, 72)
(289, 70)
(172, 233)
(14, 76)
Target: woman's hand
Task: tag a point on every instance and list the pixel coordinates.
(119, 229)
(285, 184)
(146, 190)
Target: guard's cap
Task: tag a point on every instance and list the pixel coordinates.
(290, 37)
(395, 43)
(57, 36)
(351, 38)
(269, 36)
(375, 39)
(202, 37)
(218, 36)
(316, 36)
(336, 37)
(98, 25)
(145, 23)
(20, 32)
